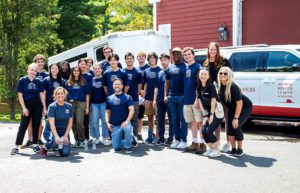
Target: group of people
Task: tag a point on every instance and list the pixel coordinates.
(190, 94)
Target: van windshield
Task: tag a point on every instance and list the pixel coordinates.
(298, 50)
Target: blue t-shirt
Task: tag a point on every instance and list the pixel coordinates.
(175, 74)
(77, 92)
(190, 83)
(41, 75)
(142, 70)
(160, 85)
(109, 76)
(118, 105)
(30, 89)
(150, 80)
(106, 66)
(49, 86)
(134, 78)
(88, 79)
(98, 94)
(61, 115)
(92, 73)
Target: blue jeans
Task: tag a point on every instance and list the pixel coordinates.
(51, 143)
(162, 109)
(98, 111)
(117, 137)
(175, 104)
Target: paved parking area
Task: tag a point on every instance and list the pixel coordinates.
(271, 164)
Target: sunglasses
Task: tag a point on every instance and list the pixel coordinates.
(223, 73)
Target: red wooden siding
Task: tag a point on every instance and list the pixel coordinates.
(271, 22)
(195, 23)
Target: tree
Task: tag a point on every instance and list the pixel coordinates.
(78, 21)
(26, 28)
(129, 15)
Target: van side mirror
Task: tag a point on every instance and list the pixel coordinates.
(296, 67)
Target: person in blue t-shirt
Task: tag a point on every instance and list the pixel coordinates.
(40, 74)
(191, 111)
(98, 108)
(107, 51)
(115, 72)
(150, 80)
(90, 63)
(135, 80)
(159, 102)
(51, 82)
(79, 97)
(119, 113)
(82, 64)
(141, 57)
(30, 94)
(60, 123)
(174, 95)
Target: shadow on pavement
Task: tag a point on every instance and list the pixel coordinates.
(142, 150)
(242, 161)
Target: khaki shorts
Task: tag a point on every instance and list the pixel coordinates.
(149, 110)
(192, 114)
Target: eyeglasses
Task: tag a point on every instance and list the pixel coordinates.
(223, 73)
(106, 52)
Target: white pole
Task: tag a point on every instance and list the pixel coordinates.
(236, 22)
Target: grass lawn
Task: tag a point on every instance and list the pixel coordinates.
(5, 113)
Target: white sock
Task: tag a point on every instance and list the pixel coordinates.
(17, 146)
(201, 140)
(195, 140)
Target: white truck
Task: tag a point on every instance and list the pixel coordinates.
(121, 42)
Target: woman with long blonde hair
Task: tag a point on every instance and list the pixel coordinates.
(239, 108)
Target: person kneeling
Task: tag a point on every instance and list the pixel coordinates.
(60, 123)
(119, 112)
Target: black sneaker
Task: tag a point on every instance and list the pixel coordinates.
(233, 151)
(140, 138)
(134, 141)
(27, 144)
(239, 152)
(14, 151)
(128, 150)
(160, 142)
(169, 141)
(40, 142)
(36, 149)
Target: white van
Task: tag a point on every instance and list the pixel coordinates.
(121, 42)
(269, 76)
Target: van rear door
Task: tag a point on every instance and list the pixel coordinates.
(280, 85)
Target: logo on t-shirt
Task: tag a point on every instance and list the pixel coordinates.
(113, 77)
(31, 86)
(152, 75)
(130, 76)
(97, 84)
(188, 73)
(76, 86)
(55, 85)
(67, 111)
(39, 77)
(174, 70)
(116, 101)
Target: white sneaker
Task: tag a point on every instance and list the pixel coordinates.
(214, 153)
(181, 145)
(94, 147)
(81, 144)
(226, 148)
(207, 152)
(86, 146)
(106, 142)
(174, 144)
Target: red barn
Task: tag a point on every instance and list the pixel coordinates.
(197, 22)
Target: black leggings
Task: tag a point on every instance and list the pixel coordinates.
(238, 133)
(86, 127)
(209, 129)
(35, 109)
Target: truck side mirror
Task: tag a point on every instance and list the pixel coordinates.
(296, 67)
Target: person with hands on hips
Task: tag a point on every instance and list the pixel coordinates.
(60, 116)
(119, 112)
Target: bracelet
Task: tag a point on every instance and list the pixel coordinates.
(236, 118)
